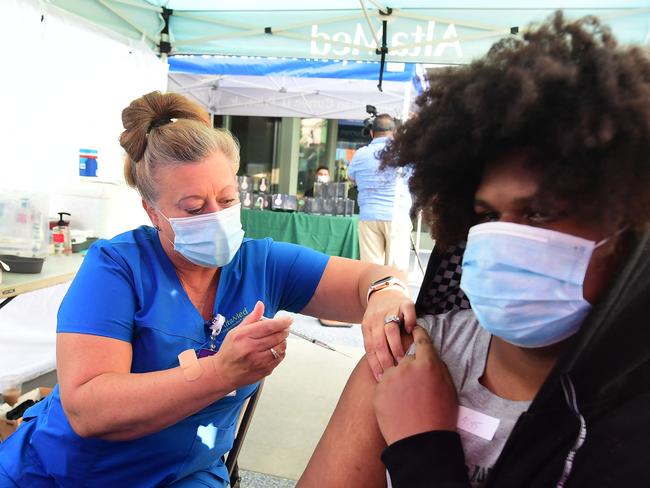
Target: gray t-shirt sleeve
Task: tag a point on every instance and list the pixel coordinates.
(456, 336)
(463, 345)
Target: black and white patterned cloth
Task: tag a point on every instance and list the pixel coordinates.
(440, 292)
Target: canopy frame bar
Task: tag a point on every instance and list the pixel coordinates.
(116, 12)
(493, 31)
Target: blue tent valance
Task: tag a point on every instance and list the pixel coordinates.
(303, 68)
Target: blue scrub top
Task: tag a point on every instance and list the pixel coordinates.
(128, 289)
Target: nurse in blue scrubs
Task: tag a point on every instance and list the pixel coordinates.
(125, 413)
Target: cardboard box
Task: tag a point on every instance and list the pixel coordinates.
(8, 427)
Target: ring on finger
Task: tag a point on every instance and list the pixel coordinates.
(275, 353)
(392, 318)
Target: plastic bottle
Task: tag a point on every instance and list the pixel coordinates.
(61, 236)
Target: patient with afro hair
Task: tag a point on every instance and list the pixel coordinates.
(531, 166)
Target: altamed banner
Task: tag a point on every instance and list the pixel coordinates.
(423, 35)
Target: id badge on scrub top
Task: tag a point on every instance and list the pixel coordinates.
(204, 353)
(216, 325)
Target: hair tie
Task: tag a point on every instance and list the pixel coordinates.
(159, 122)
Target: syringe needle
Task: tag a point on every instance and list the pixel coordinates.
(316, 342)
(313, 341)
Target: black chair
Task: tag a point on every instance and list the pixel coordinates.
(440, 290)
(244, 422)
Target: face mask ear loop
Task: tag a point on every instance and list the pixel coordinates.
(607, 239)
(157, 227)
(169, 240)
(163, 215)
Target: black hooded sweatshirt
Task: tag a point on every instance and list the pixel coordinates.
(588, 426)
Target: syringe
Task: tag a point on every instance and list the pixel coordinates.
(316, 342)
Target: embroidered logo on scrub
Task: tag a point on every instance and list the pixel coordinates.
(235, 319)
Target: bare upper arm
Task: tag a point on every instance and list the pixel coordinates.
(337, 294)
(407, 340)
(82, 357)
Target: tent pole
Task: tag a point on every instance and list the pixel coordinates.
(165, 46)
(372, 31)
(382, 51)
(114, 11)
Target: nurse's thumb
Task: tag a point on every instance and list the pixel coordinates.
(256, 315)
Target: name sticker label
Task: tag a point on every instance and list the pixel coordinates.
(477, 423)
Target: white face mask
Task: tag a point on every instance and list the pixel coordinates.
(208, 240)
(323, 178)
(525, 283)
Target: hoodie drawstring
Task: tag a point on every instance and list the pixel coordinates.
(570, 397)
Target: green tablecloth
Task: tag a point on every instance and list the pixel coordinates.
(336, 236)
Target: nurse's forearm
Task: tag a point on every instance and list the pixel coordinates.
(374, 273)
(343, 289)
(124, 406)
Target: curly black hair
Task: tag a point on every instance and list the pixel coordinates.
(567, 94)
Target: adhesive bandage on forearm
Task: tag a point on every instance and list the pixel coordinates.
(192, 369)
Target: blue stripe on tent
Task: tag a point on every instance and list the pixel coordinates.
(302, 68)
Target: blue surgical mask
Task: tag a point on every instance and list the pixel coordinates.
(208, 240)
(525, 283)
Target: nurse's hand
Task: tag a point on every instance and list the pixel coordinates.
(418, 395)
(381, 339)
(245, 355)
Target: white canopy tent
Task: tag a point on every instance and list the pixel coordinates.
(294, 88)
(380, 31)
